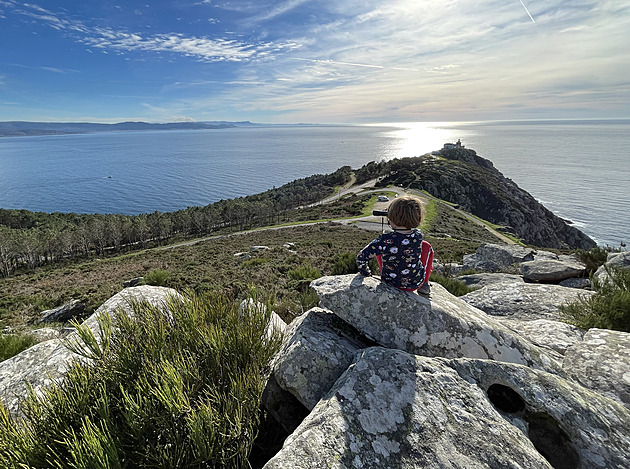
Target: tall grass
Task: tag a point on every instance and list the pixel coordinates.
(174, 386)
(429, 214)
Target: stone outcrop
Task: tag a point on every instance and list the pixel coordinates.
(393, 409)
(602, 362)
(497, 257)
(380, 378)
(315, 355)
(447, 385)
(615, 260)
(488, 278)
(524, 301)
(441, 326)
(551, 270)
(48, 361)
(577, 282)
(554, 335)
(64, 313)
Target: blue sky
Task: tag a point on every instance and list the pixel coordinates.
(325, 61)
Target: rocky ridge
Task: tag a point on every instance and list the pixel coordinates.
(471, 181)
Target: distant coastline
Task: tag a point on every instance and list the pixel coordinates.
(24, 129)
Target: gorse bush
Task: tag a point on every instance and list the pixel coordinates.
(156, 277)
(12, 344)
(305, 272)
(176, 386)
(256, 262)
(608, 308)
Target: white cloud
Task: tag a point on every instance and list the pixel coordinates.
(279, 9)
(200, 48)
(399, 58)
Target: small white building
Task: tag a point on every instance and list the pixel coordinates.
(451, 146)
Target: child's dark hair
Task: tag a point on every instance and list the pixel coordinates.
(405, 211)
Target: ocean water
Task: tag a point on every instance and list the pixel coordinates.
(578, 169)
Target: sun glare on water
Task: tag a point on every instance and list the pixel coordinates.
(417, 138)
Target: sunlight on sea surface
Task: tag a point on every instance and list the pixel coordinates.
(417, 138)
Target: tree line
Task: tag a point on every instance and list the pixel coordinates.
(32, 239)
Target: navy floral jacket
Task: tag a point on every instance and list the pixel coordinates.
(401, 266)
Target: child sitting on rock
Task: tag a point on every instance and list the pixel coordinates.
(405, 259)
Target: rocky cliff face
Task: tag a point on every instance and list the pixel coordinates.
(471, 181)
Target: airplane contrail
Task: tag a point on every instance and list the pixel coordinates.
(530, 15)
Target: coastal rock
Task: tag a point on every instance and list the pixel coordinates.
(551, 270)
(45, 333)
(554, 335)
(134, 282)
(314, 355)
(440, 326)
(64, 313)
(602, 362)
(615, 260)
(394, 409)
(49, 361)
(489, 278)
(523, 301)
(497, 257)
(449, 269)
(582, 283)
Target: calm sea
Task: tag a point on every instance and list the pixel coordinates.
(578, 169)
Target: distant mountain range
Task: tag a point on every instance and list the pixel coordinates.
(17, 128)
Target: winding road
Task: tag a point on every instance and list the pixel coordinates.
(369, 222)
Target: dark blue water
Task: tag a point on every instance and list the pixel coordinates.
(579, 170)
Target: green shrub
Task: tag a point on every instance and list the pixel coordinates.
(176, 386)
(305, 272)
(301, 277)
(453, 285)
(608, 308)
(12, 344)
(345, 263)
(593, 258)
(256, 261)
(308, 299)
(157, 277)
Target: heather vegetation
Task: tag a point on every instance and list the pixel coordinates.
(211, 265)
(12, 344)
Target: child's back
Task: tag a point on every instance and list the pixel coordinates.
(405, 259)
